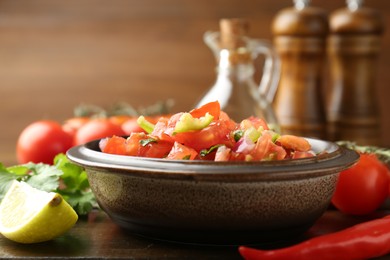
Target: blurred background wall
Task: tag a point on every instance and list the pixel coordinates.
(55, 55)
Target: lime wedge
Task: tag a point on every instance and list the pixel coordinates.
(29, 215)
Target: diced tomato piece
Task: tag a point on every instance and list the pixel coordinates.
(218, 132)
(237, 156)
(213, 108)
(138, 144)
(156, 149)
(160, 130)
(181, 152)
(114, 145)
(133, 145)
(262, 146)
(223, 117)
(253, 122)
(276, 152)
(170, 124)
(294, 143)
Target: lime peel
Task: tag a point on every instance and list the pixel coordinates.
(29, 215)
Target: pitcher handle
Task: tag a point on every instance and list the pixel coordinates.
(271, 70)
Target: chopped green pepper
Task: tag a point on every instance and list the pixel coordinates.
(253, 134)
(188, 123)
(145, 124)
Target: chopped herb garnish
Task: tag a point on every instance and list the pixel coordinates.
(206, 152)
(238, 134)
(383, 154)
(145, 142)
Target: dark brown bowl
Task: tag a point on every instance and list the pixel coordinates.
(214, 202)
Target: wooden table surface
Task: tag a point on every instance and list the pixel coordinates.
(56, 55)
(97, 237)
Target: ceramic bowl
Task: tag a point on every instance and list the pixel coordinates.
(214, 202)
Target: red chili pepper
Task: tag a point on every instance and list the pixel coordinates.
(366, 240)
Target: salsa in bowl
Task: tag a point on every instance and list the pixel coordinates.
(214, 202)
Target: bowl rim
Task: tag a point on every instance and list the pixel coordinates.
(335, 160)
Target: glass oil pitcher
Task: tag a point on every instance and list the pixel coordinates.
(235, 87)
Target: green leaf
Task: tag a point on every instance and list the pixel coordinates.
(6, 178)
(383, 154)
(76, 190)
(81, 202)
(145, 142)
(20, 170)
(43, 176)
(205, 152)
(238, 134)
(73, 179)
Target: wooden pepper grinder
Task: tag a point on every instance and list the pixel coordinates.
(353, 49)
(300, 34)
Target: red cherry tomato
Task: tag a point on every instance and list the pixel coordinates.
(41, 141)
(72, 125)
(131, 126)
(119, 119)
(97, 129)
(362, 188)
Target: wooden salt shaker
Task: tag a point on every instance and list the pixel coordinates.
(300, 39)
(353, 49)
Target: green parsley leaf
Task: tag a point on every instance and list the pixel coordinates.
(383, 154)
(64, 177)
(206, 152)
(6, 178)
(145, 142)
(43, 176)
(74, 177)
(82, 202)
(76, 190)
(238, 134)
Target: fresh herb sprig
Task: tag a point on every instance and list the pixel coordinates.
(63, 177)
(123, 108)
(383, 154)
